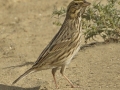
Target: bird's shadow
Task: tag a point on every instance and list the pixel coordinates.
(5, 87)
(27, 63)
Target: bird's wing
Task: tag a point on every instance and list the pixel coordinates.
(57, 44)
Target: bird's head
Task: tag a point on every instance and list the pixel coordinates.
(76, 8)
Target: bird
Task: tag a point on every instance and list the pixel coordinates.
(64, 45)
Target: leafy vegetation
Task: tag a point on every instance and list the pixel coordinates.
(99, 19)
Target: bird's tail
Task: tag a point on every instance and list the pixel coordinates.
(24, 74)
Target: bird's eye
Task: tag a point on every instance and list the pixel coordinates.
(76, 4)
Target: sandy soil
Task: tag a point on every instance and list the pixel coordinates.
(26, 27)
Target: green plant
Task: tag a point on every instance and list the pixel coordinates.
(99, 19)
(59, 14)
(103, 20)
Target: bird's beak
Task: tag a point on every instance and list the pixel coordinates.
(85, 4)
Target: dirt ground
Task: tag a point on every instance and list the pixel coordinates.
(26, 27)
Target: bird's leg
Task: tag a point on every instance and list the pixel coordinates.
(53, 73)
(62, 72)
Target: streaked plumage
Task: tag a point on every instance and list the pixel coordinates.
(66, 43)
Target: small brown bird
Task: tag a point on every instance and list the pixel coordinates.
(66, 43)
